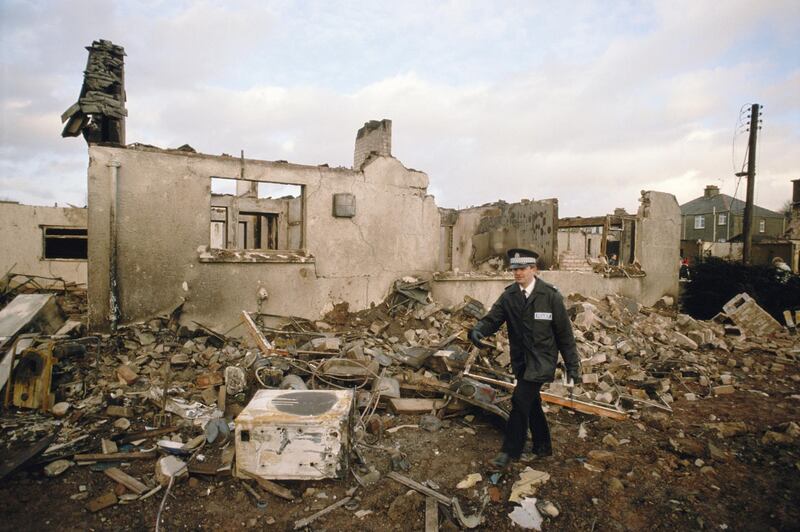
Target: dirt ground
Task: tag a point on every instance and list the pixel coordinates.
(687, 471)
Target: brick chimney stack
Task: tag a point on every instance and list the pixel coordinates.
(375, 137)
(711, 191)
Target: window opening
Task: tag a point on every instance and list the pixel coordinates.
(219, 227)
(65, 243)
(256, 215)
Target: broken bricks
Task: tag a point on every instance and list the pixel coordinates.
(633, 358)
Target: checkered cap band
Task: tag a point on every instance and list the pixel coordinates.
(522, 261)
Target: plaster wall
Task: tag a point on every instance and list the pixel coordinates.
(22, 244)
(482, 232)
(163, 213)
(487, 290)
(658, 249)
(658, 238)
(573, 242)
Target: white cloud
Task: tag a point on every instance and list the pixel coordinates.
(585, 102)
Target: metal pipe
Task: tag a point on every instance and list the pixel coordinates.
(113, 292)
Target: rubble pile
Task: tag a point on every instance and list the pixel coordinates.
(156, 402)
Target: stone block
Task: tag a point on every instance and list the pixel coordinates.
(119, 411)
(127, 375)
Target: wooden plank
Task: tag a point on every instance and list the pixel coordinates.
(580, 406)
(275, 489)
(473, 354)
(54, 448)
(425, 490)
(126, 480)
(103, 501)
(203, 468)
(415, 406)
(259, 339)
(133, 436)
(306, 521)
(431, 515)
(114, 457)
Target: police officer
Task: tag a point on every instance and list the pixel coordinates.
(538, 328)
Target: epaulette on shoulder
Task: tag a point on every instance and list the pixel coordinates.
(552, 287)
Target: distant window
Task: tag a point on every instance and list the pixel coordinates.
(699, 222)
(762, 226)
(65, 243)
(722, 219)
(255, 215)
(219, 227)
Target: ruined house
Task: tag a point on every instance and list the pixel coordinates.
(47, 242)
(160, 236)
(215, 235)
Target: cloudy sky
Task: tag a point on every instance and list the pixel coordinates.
(589, 102)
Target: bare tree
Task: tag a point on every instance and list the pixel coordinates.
(786, 210)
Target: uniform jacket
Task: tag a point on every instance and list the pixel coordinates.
(538, 328)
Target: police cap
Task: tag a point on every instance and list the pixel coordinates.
(520, 258)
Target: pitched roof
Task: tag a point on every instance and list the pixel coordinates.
(723, 203)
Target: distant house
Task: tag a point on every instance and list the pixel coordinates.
(715, 217)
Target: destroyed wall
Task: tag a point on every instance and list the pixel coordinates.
(657, 245)
(480, 233)
(572, 241)
(163, 218)
(658, 239)
(29, 232)
(579, 243)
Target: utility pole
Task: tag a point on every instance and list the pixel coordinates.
(747, 226)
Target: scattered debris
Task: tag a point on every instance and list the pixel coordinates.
(470, 481)
(529, 481)
(526, 515)
(310, 519)
(305, 401)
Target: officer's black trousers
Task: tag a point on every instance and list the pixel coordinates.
(526, 411)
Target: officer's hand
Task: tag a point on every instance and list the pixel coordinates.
(574, 376)
(475, 336)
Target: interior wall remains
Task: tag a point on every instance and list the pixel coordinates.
(657, 246)
(481, 233)
(163, 259)
(658, 237)
(22, 241)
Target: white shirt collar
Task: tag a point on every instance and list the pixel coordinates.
(529, 289)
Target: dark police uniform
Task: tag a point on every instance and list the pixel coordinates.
(538, 328)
